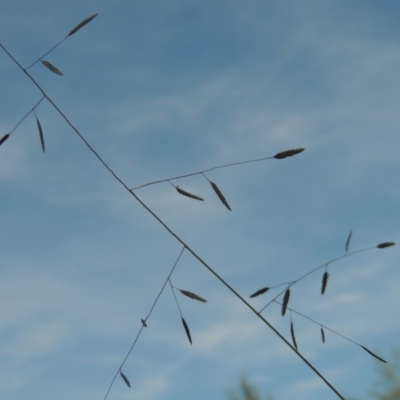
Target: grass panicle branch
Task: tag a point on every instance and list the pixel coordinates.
(185, 325)
(380, 246)
(144, 323)
(74, 30)
(213, 168)
(166, 227)
(5, 137)
(331, 330)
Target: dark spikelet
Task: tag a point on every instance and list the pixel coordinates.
(285, 301)
(193, 296)
(187, 330)
(348, 241)
(144, 323)
(292, 333)
(322, 334)
(40, 134)
(220, 195)
(82, 24)
(4, 138)
(126, 380)
(288, 153)
(187, 194)
(52, 68)
(385, 244)
(261, 291)
(372, 354)
(325, 278)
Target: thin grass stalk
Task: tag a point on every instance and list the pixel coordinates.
(380, 246)
(195, 255)
(204, 171)
(335, 332)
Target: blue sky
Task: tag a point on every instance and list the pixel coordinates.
(161, 89)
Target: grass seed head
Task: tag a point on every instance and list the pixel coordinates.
(325, 278)
(51, 67)
(126, 380)
(385, 244)
(261, 291)
(292, 333)
(285, 301)
(220, 195)
(4, 138)
(82, 24)
(288, 153)
(185, 325)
